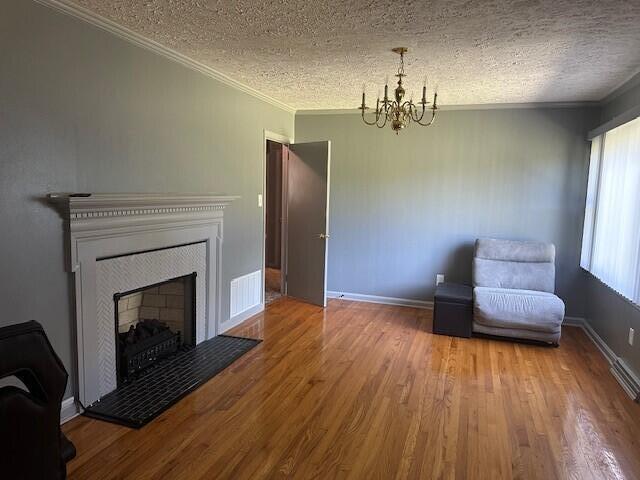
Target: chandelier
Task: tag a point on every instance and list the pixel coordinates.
(399, 112)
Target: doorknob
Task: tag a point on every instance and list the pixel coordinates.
(323, 235)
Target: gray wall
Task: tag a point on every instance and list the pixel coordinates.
(608, 313)
(82, 110)
(404, 208)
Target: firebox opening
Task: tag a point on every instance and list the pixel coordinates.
(152, 323)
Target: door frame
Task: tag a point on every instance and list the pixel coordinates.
(283, 140)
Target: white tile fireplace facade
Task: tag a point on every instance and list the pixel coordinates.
(130, 272)
(119, 243)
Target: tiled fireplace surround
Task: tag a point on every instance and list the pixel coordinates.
(123, 242)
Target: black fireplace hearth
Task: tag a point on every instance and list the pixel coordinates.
(159, 386)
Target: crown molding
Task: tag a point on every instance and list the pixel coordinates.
(628, 84)
(329, 111)
(486, 106)
(518, 106)
(616, 121)
(88, 16)
(130, 36)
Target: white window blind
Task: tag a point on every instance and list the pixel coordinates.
(611, 237)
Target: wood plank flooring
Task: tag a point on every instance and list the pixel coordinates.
(363, 391)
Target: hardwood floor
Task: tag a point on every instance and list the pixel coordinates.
(272, 279)
(271, 285)
(363, 391)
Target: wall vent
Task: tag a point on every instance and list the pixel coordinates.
(245, 292)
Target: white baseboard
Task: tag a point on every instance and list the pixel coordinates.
(68, 410)
(403, 302)
(573, 322)
(618, 367)
(625, 376)
(238, 319)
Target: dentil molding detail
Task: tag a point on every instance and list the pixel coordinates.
(98, 214)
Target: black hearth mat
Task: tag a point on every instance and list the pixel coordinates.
(136, 403)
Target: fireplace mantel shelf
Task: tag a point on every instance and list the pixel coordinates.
(100, 205)
(105, 215)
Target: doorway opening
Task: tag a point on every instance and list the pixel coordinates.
(295, 202)
(275, 207)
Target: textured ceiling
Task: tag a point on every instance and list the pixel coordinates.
(317, 54)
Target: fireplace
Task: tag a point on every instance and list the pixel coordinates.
(152, 323)
(119, 243)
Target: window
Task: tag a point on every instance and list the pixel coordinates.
(611, 238)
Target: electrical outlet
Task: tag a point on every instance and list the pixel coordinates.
(631, 335)
(259, 200)
(439, 278)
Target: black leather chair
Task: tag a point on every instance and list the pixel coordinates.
(32, 446)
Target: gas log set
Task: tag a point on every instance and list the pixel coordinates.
(143, 345)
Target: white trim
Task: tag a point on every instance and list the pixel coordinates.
(625, 376)
(69, 410)
(326, 223)
(630, 82)
(402, 302)
(623, 118)
(276, 137)
(582, 323)
(329, 111)
(238, 319)
(486, 106)
(84, 14)
(627, 379)
(573, 322)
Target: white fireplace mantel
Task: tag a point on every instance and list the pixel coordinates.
(125, 233)
(101, 214)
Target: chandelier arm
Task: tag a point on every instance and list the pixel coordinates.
(391, 107)
(382, 115)
(419, 119)
(433, 117)
(413, 111)
(365, 120)
(433, 109)
(371, 123)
